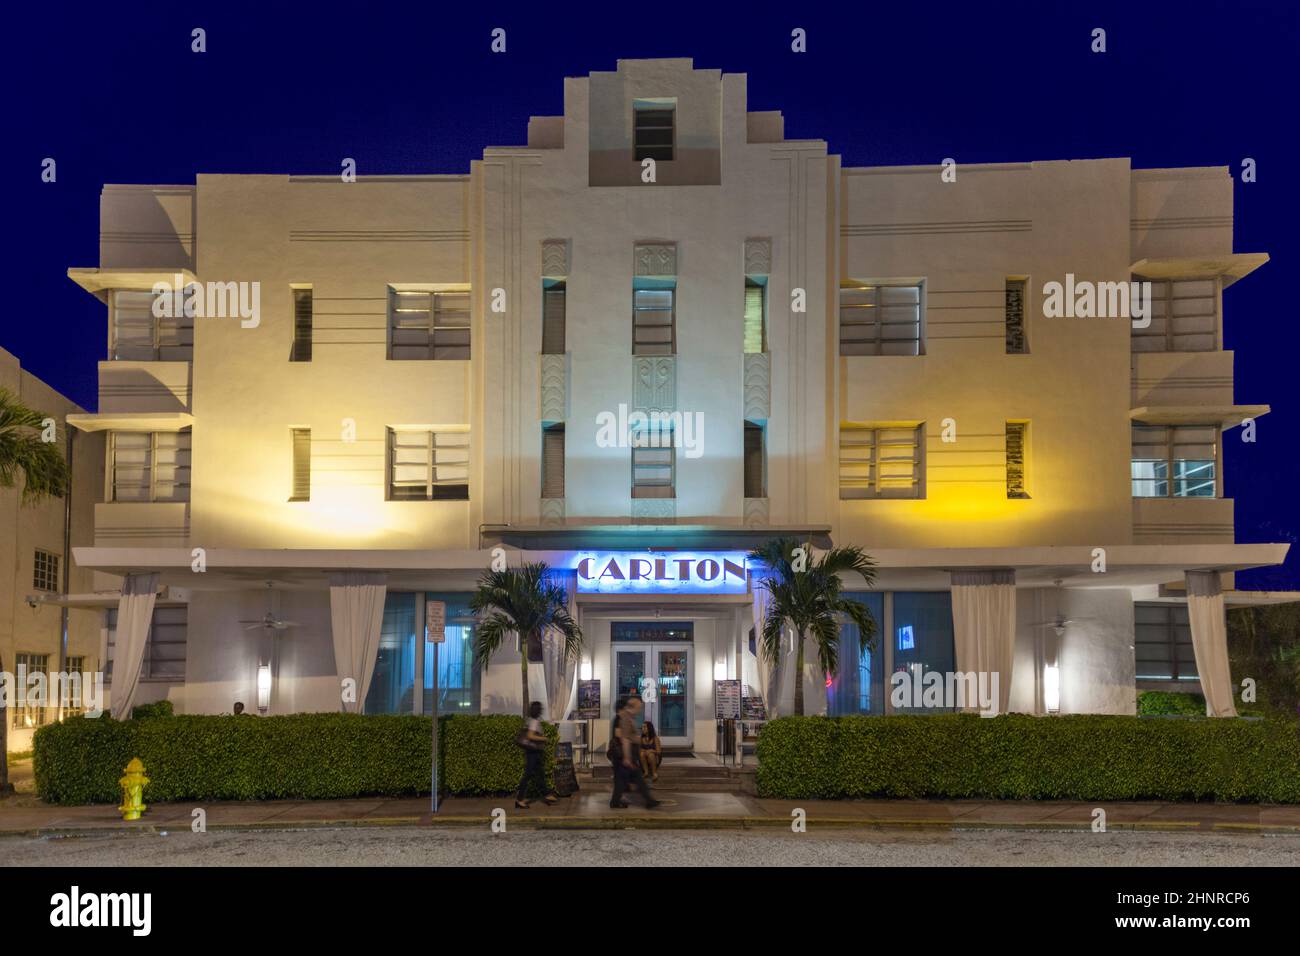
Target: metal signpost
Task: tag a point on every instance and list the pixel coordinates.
(435, 626)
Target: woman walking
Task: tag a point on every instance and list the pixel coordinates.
(533, 741)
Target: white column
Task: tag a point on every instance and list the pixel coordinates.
(1210, 641)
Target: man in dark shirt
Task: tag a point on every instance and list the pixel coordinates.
(627, 768)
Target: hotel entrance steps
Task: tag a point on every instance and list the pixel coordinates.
(685, 774)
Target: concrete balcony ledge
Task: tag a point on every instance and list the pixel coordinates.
(1228, 266)
(132, 421)
(1226, 416)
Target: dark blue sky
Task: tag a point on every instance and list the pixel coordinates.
(114, 94)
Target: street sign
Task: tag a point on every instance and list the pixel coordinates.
(435, 621)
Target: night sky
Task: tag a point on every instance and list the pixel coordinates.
(113, 93)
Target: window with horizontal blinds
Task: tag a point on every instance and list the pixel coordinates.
(880, 319)
(553, 307)
(149, 466)
(1177, 461)
(1162, 643)
(429, 325)
(880, 461)
(1015, 450)
(428, 465)
(654, 308)
(301, 464)
(302, 325)
(140, 336)
(1184, 317)
(553, 461)
(1017, 342)
(654, 467)
(165, 645)
(755, 480)
(652, 130)
(755, 316)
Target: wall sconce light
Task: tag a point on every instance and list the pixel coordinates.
(584, 672)
(720, 669)
(264, 687)
(1052, 688)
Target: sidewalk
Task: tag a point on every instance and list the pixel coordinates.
(590, 809)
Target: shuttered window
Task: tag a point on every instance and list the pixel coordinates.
(1017, 433)
(1184, 317)
(654, 308)
(653, 466)
(553, 461)
(652, 130)
(301, 464)
(755, 316)
(1174, 461)
(880, 462)
(140, 336)
(1162, 646)
(428, 325)
(1017, 342)
(755, 483)
(428, 465)
(302, 325)
(554, 294)
(149, 466)
(880, 319)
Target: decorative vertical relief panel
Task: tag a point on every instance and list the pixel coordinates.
(756, 512)
(655, 259)
(555, 388)
(654, 510)
(555, 258)
(758, 386)
(758, 257)
(552, 511)
(654, 383)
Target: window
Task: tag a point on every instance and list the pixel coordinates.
(654, 464)
(428, 325)
(149, 466)
(140, 336)
(29, 712)
(164, 650)
(302, 321)
(652, 129)
(755, 315)
(1017, 342)
(859, 686)
(428, 465)
(393, 686)
(1174, 461)
(755, 479)
(1184, 317)
(46, 574)
(301, 464)
(921, 643)
(1017, 434)
(880, 319)
(553, 461)
(554, 295)
(880, 462)
(75, 688)
(1162, 646)
(654, 316)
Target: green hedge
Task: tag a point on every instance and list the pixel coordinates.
(1018, 757)
(1154, 703)
(305, 756)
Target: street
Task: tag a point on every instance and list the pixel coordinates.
(426, 846)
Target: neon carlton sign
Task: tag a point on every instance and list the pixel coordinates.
(674, 572)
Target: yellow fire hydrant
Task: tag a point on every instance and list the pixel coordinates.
(133, 784)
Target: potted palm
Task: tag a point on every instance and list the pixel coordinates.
(522, 601)
(44, 474)
(807, 596)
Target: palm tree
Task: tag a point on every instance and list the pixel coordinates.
(521, 601)
(807, 594)
(44, 475)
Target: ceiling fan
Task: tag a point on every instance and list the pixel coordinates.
(1061, 622)
(270, 620)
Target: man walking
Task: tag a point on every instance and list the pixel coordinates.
(623, 753)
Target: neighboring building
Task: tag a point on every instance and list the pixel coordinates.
(33, 563)
(434, 354)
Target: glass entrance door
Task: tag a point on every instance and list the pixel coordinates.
(660, 674)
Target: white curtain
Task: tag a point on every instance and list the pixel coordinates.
(356, 616)
(1205, 612)
(984, 630)
(134, 616)
(769, 671)
(559, 675)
